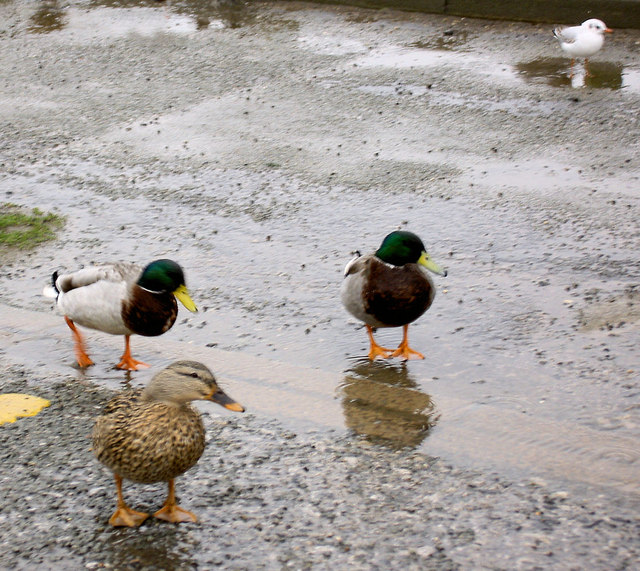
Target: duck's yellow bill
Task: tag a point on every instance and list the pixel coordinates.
(426, 261)
(182, 294)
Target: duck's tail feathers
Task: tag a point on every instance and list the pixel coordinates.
(351, 262)
(52, 290)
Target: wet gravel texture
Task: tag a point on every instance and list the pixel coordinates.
(269, 498)
(259, 146)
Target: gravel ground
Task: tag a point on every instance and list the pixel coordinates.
(269, 498)
(261, 145)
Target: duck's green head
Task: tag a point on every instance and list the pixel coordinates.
(402, 247)
(166, 275)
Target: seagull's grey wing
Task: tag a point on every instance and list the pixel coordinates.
(566, 35)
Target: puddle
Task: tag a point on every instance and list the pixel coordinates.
(549, 71)
(48, 17)
(127, 551)
(117, 23)
(383, 402)
(145, 17)
(264, 290)
(557, 72)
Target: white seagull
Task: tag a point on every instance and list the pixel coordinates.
(582, 41)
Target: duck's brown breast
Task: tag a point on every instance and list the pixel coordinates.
(148, 313)
(397, 295)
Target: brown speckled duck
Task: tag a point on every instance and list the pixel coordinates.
(390, 289)
(121, 299)
(154, 435)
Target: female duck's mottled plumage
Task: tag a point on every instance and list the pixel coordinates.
(154, 435)
(121, 299)
(390, 289)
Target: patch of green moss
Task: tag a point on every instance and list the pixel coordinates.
(23, 229)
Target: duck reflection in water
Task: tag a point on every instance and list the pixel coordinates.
(383, 403)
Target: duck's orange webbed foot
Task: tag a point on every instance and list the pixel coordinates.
(175, 514)
(376, 350)
(171, 511)
(131, 364)
(127, 362)
(404, 351)
(124, 515)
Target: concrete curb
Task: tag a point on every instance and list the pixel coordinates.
(616, 13)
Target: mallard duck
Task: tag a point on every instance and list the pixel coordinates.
(121, 299)
(153, 435)
(390, 289)
(582, 41)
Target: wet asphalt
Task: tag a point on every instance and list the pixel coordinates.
(260, 145)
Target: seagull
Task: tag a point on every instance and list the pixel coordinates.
(582, 41)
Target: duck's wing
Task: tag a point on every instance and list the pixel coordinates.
(114, 417)
(122, 403)
(567, 35)
(120, 272)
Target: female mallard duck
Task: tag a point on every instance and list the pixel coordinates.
(389, 289)
(121, 299)
(154, 435)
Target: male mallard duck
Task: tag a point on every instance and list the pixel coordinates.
(389, 289)
(582, 41)
(153, 435)
(121, 299)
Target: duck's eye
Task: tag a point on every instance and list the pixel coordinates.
(194, 375)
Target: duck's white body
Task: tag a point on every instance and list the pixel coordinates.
(93, 296)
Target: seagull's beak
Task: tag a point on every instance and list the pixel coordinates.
(608, 30)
